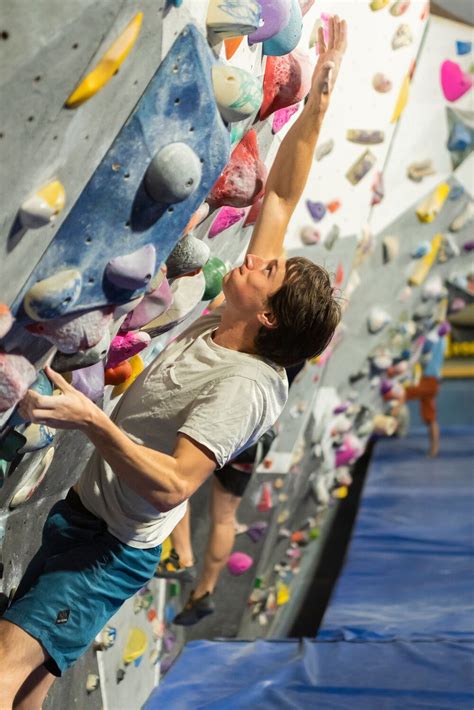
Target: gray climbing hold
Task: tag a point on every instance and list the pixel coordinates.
(54, 296)
(134, 270)
(173, 174)
(82, 358)
(188, 255)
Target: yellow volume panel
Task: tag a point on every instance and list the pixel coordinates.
(428, 210)
(136, 645)
(108, 65)
(402, 99)
(422, 268)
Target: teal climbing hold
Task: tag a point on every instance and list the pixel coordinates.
(287, 39)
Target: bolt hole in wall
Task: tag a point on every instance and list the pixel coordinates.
(88, 240)
(4, 35)
(75, 45)
(37, 78)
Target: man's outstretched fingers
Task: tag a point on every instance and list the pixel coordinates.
(331, 33)
(321, 41)
(58, 379)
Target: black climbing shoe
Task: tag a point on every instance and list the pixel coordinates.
(195, 610)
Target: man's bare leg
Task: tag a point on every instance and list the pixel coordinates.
(20, 655)
(221, 538)
(433, 430)
(181, 539)
(34, 690)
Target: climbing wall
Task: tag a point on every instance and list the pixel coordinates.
(119, 144)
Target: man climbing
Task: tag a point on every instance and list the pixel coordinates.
(205, 399)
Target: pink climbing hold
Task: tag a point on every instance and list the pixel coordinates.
(125, 346)
(17, 374)
(282, 116)
(226, 217)
(454, 81)
(287, 81)
(238, 563)
(254, 211)
(243, 179)
(457, 304)
(150, 307)
(73, 333)
(351, 450)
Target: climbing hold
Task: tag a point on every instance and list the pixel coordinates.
(105, 638)
(283, 593)
(310, 235)
(378, 4)
(287, 81)
(378, 189)
(254, 211)
(33, 479)
(54, 296)
(124, 346)
(265, 502)
(357, 135)
(238, 93)
(429, 208)
(377, 319)
(243, 179)
(11, 444)
(173, 174)
(324, 149)
(423, 266)
(390, 248)
(132, 271)
(214, 271)
(457, 304)
(231, 45)
(454, 81)
(17, 374)
(433, 288)
(43, 386)
(226, 217)
(76, 332)
(118, 374)
(456, 192)
(332, 236)
(6, 319)
(402, 99)
(37, 436)
(186, 294)
(381, 83)
(317, 210)
(92, 682)
(275, 15)
(421, 249)
(402, 37)
(136, 645)
(361, 167)
(198, 217)
(238, 563)
(460, 137)
(82, 358)
(152, 306)
(399, 7)
(43, 206)
(420, 169)
(333, 206)
(448, 249)
(288, 37)
(463, 47)
(232, 19)
(282, 116)
(90, 381)
(463, 218)
(257, 530)
(188, 255)
(137, 366)
(108, 65)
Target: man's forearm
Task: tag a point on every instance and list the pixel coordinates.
(151, 474)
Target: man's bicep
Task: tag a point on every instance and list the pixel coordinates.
(195, 461)
(269, 232)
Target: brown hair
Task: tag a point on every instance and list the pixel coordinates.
(306, 311)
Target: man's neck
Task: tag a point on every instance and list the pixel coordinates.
(235, 334)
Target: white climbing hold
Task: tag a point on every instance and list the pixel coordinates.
(43, 206)
(54, 296)
(377, 319)
(238, 93)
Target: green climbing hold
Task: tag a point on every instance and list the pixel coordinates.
(314, 533)
(214, 271)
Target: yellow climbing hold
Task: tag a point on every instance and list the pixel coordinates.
(108, 65)
(137, 643)
(428, 210)
(402, 99)
(43, 206)
(283, 593)
(166, 548)
(424, 265)
(137, 367)
(378, 4)
(341, 492)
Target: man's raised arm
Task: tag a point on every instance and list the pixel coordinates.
(292, 163)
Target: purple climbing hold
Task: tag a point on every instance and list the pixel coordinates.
(468, 246)
(385, 387)
(238, 563)
(132, 271)
(90, 381)
(257, 530)
(317, 210)
(226, 217)
(150, 307)
(444, 329)
(275, 15)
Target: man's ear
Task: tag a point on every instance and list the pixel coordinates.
(268, 320)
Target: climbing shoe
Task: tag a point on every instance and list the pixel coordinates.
(195, 610)
(171, 568)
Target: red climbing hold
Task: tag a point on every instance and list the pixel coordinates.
(243, 178)
(254, 211)
(287, 81)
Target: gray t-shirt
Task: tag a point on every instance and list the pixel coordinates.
(221, 398)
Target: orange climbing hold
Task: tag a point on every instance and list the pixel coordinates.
(118, 374)
(231, 45)
(333, 206)
(108, 64)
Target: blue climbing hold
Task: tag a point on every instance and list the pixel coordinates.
(463, 47)
(460, 137)
(287, 39)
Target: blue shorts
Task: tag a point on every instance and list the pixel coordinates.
(78, 579)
